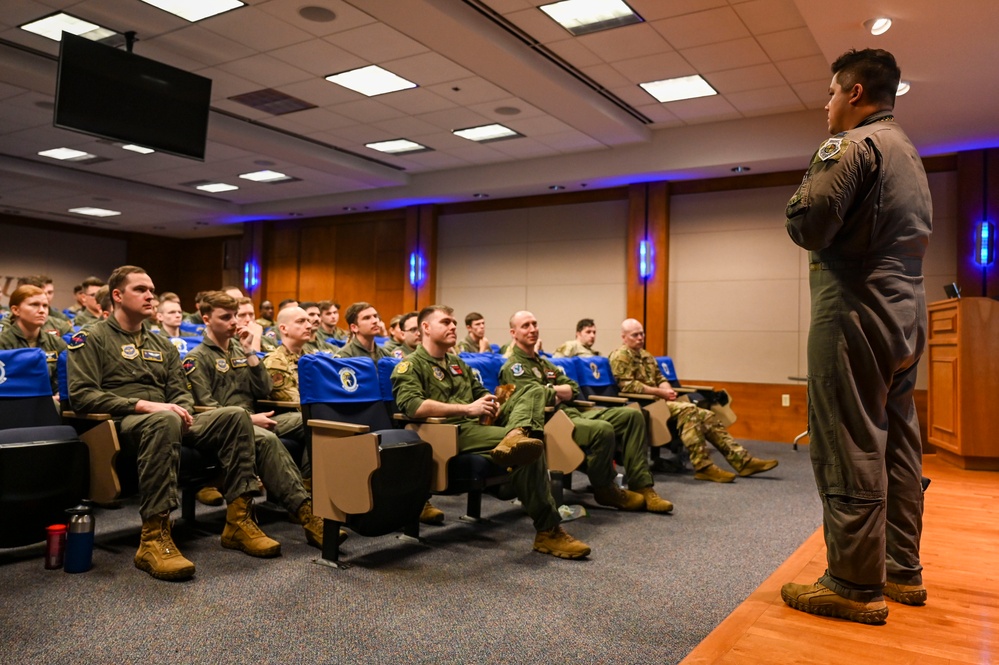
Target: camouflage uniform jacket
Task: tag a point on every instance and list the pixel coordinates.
(225, 378)
(634, 369)
(282, 365)
(353, 349)
(110, 370)
(12, 337)
(522, 369)
(574, 348)
(421, 377)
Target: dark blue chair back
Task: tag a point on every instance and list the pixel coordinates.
(185, 344)
(24, 373)
(568, 366)
(486, 368)
(336, 342)
(666, 367)
(595, 372)
(196, 328)
(385, 368)
(324, 379)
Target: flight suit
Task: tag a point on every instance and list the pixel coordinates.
(319, 345)
(220, 378)
(633, 369)
(110, 370)
(353, 349)
(469, 345)
(863, 210)
(12, 337)
(421, 377)
(595, 429)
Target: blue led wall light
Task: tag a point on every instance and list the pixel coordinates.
(251, 275)
(985, 244)
(417, 269)
(646, 259)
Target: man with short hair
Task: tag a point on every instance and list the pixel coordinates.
(431, 382)
(329, 316)
(636, 371)
(317, 343)
(168, 319)
(596, 430)
(79, 297)
(582, 346)
(93, 312)
(363, 320)
(266, 319)
(195, 316)
(282, 364)
(116, 367)
(224, 370)
(57, 320)
(864, 212)
(245, 321)
(410, 335)
(475, 341)
(394, 334)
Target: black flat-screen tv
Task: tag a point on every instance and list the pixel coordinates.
(124, 97)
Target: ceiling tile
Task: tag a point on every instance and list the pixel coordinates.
(573, 52)
(454, 118)
(489, 109)
(813, 94)
(309, 121)
(652, 10)
(204, 46)
(256, 29)
(764, 16)
(707, 27)
(538, 25)
(631, 41)
(318, 57)
(376, 43)
(407, 127)
(507, 6)
(319, 92)
(799, 70)
(654, 67)
(226, 84)
(703, 109)
(570, 141)
(726, 55)
(427, 69)
(347, 17)
(779, 99)
(415, 101)
(633, 95)
(266, 71)
(745, 78)
(523, 148)
(606, 76)
(367, 110)
(538, 126)
(660, 115)
(789, 44)
(466, 91)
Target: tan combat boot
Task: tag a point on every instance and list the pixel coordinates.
(655, 503)
(209, 496)
(431, 514)
(907, 594)
(714, 474)
(517, 449)
(557, 542)
(823, 601)
(615, 497)
(242, 533)
(158, 555)
(754, 465)
(313, 525)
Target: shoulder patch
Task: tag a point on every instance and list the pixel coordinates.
(833, 149)
(78, 339)
(402, 367)
(517, 369)
(190, 364)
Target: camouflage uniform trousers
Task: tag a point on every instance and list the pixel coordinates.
(275, 465)
(530, 481)
(222, 432)
(697, 425)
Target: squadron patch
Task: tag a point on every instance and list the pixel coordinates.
(551, 375)
(439, 373)
(594, 370)
(833, 149)
(348, 379)
(277, 378)
(397, 353)
(240, 362)
(189, 365)
(78, 339)
(517, 369)
(153, 356)
(456, 370)
(221, 365)
(129, 352)
(402, 367)
(51, 356)
(478, 376)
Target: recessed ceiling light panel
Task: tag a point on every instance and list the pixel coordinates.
(878, 25)
(484, 133)
(95, 212)
(685, 87)
(582, 17)
(265, 176)
(67, 154)
(216, 187)
(397, 146)
(54, 25)
(142, 150)
(370, 81)
(195, 10)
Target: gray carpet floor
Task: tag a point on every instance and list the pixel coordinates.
(653, 588)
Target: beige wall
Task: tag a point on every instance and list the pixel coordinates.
(67, 258)
(739, 303)
(563, 263)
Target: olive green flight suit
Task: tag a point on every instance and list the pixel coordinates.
(421, 377)
(110, 370)
(220, 378)
(12, 337)
(353, 349)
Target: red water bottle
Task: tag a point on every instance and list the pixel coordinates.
(55, 546)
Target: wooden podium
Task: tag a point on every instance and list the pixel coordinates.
(963, 410)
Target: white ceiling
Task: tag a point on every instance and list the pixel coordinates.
(584, 120)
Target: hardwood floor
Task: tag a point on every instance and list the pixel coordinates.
(958, 624)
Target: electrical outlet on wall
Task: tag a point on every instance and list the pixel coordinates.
(785, 400)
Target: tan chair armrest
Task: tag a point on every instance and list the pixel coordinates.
(695, 388)
(561, 451)
(335, 426)
(639, 397)
(86, 416)
(443, 438)
(403, 418)
(102, 444)
(600, 399)
(582, 403)
(341, 472)
(279, 403)
(684, 390)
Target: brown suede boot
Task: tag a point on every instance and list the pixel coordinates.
(714, 474)
(823, 601)
(242, 533)
(313, 525)
(158, 555)
(557, 542)
(907, 594)
(615, 497)
(517, 449)
(209, 496)
(431, 514)
(655, 503)
(755, 465)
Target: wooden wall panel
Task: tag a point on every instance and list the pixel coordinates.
(317, 271)
(280, 262)
(182, 266)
